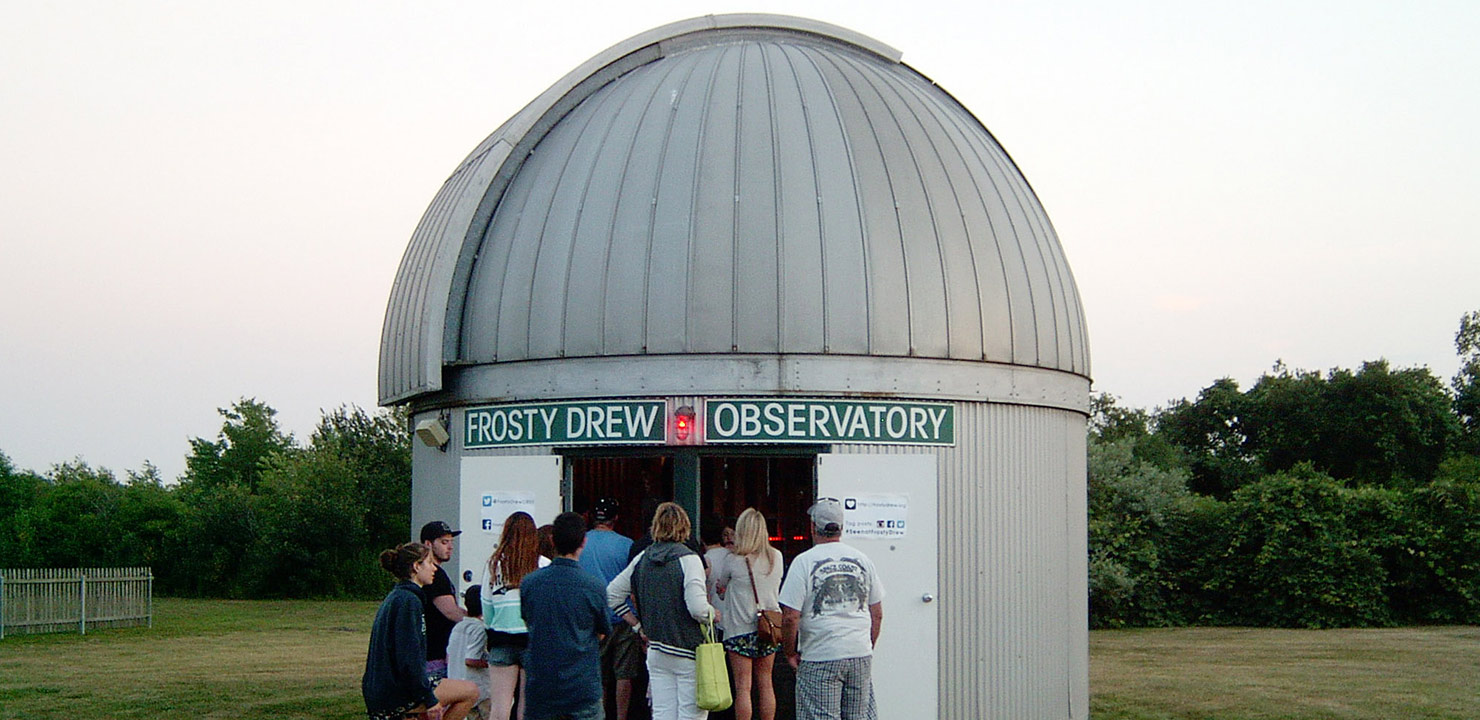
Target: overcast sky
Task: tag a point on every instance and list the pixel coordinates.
(203, 201)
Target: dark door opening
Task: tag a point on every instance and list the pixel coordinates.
(780, 486)
(635, 481)
(715, 485)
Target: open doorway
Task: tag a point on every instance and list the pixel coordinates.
(780, 485)
(715, 485)
(634, 480)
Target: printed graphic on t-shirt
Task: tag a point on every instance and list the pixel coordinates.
(839, 586)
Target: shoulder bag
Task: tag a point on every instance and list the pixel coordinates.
(767, 622)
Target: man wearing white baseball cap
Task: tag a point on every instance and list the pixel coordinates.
(832, 610)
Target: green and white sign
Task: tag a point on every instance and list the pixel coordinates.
(752, 420)
(616, 422)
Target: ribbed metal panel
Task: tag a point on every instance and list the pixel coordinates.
(735, 184)
(1012, 570)
(1013, 579)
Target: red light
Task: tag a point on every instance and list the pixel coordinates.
(685, 427)
(798, 537)
(775, 538)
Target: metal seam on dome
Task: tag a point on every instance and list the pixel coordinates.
(793, 249)
(577, 134)
(778, 227)
(822, 283)
(954, 196)
(978, 265)
(981, 152)
(1063, 324)
(865, 254)
(735, 209)
(857, 204)
(691, 288)
(909, 148)
(609, 225)
(591, 115)
(621, 189)
(1036, 246)
(658, 175)
(888, 180)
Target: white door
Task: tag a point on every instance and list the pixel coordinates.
(491, 489)
(889, 512)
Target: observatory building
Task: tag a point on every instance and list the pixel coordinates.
(749, 260)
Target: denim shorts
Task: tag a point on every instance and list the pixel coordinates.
(505, 650)
(505, 656)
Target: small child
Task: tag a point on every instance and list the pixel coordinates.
(467, 651)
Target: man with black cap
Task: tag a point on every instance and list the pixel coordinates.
(442, 609)
(605, 556)
(832, 609)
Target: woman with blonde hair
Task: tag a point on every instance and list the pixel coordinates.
(750, 577)
(516, 555)
(666, 583)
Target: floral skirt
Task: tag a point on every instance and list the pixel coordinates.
(749, 645)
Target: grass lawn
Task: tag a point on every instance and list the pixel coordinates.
(256, 660)
(1245, 673)
(202, 659)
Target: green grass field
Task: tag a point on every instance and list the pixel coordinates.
(286, 660)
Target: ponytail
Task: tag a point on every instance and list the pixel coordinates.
(398, 560)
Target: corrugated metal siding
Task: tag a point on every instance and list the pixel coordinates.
(757, 185)
(1014, 633)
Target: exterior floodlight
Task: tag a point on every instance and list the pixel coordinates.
(432, 433)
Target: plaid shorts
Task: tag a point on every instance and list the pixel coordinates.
(836, 690)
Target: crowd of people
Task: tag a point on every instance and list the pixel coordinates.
(566, 616)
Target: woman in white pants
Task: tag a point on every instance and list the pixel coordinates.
(666, 584)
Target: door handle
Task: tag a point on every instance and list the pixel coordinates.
(927, 597)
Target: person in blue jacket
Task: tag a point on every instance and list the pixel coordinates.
(395, 684)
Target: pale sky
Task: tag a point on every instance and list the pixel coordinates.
(203, 201)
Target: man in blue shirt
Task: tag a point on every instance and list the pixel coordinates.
(565, 609)
(623, 658)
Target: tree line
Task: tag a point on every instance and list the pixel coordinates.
(255, 514)
(1344, 498)
(1310, 499)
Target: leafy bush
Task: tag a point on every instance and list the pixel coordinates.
(1133, 506)
(1289, 556)
(1440, 580)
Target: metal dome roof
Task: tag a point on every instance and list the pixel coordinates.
(744, 185)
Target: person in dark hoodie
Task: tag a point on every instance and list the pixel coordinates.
(666, 583)
(395, 683)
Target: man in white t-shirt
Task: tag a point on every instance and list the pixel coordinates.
(832, 609)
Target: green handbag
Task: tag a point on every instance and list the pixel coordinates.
(710, 672)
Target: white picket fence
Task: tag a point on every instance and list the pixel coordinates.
(45, 600)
